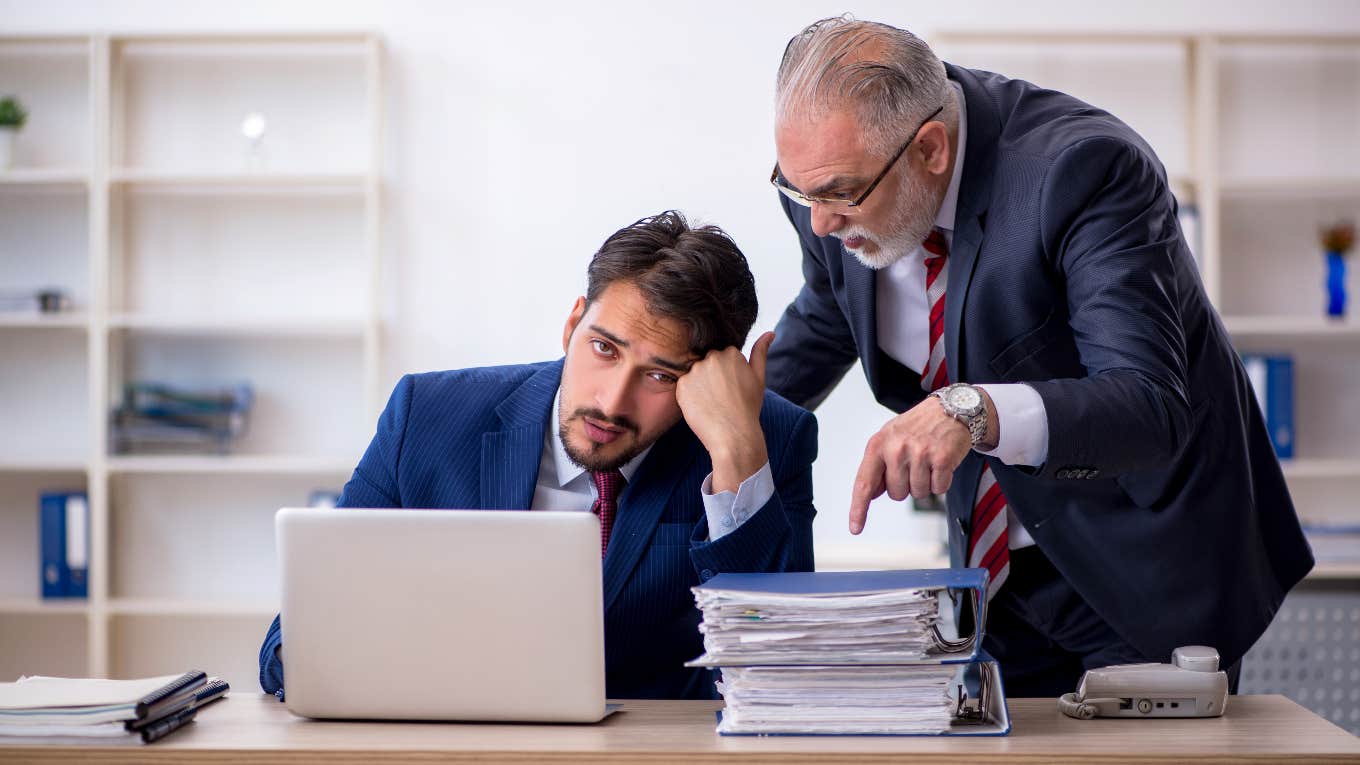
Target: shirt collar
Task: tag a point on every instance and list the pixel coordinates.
(945, 217)
(568, 471)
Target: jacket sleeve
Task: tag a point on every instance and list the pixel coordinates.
(373, 484)
(271, 666)
(778, 537)
(1109, 226)
(813, 346)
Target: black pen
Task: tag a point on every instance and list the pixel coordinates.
(182, 684)
(164, 727)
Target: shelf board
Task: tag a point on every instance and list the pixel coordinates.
(190, 607)
(15, 605)
(41, 465)
(254, 37)
(1321, 468)
(239, 464)
(1292, 327)
(165, 180)
(1334, 570)
(294, 327)
(34, 320)
(44, 176)
(1305, 186)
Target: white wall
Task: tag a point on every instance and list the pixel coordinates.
(520, 134)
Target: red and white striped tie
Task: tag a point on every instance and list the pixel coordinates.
(988, 542)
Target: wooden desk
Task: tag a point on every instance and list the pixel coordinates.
(256, 728)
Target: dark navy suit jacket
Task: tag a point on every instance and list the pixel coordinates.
(473, 438)
(1161, 501)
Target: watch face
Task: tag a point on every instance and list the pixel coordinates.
(965, 399)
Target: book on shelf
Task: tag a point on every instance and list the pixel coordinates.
(1272, 377)
(850, 653)
(158, 418)
(63, 709)
(64, 544)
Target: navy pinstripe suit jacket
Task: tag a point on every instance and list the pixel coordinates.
(1161, 501)
(473, 438)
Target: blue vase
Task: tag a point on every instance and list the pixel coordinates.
(1336, 284)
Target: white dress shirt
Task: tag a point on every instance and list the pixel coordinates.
(903, 318)
(564, 485)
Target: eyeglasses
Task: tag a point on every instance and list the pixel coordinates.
(782, 184)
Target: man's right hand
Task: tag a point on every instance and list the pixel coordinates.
(914, 454)
(720, 397)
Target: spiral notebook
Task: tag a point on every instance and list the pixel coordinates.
(112, 711)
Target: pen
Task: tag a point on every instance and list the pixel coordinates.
(214, 690)
(180, 685)
(164, 727)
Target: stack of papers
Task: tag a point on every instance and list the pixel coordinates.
(838, 699)
(746, 627)
(839, 653)
(110, 711)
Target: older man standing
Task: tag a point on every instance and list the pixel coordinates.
(1015, 252)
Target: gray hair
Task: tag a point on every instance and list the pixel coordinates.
(887, 76)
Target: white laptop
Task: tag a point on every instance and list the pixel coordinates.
(442, 614)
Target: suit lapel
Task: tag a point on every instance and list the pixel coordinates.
(975, 190)
(642, 504)
(510, 456)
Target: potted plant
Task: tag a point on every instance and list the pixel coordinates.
(12, 117)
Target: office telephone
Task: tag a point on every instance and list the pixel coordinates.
(1190, 686)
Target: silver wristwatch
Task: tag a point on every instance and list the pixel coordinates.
(964, 403)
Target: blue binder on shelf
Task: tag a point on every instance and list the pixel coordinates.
(1272, 377)
(65, 544)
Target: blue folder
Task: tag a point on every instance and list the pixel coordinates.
(981, 705)
(65, 544)
(956, 582)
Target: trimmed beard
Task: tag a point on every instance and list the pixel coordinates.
(907, 229)
(591, 459)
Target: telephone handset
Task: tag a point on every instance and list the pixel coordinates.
(1190, 686)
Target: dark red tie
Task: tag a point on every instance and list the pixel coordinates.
(989, 539)
(609, 484)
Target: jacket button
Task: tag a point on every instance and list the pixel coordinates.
(705, 575)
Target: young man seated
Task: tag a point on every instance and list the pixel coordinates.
(654, 420)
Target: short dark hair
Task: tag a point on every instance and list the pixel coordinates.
(696, 276)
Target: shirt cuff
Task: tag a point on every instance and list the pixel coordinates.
(1023, 424)
(727, 510)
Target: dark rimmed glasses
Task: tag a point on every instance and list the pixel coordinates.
(782, 184)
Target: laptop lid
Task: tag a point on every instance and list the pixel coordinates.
(442, 614)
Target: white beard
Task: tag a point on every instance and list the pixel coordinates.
(908, 227)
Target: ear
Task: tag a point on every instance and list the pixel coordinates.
(935, 147)
(577, 311)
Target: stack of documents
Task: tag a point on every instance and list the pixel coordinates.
(765, 627)
(838, 699)
(848, 653)
(106, 711)
(158, 418)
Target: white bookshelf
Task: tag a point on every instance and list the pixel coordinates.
(194, 257)
(1216, 108)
